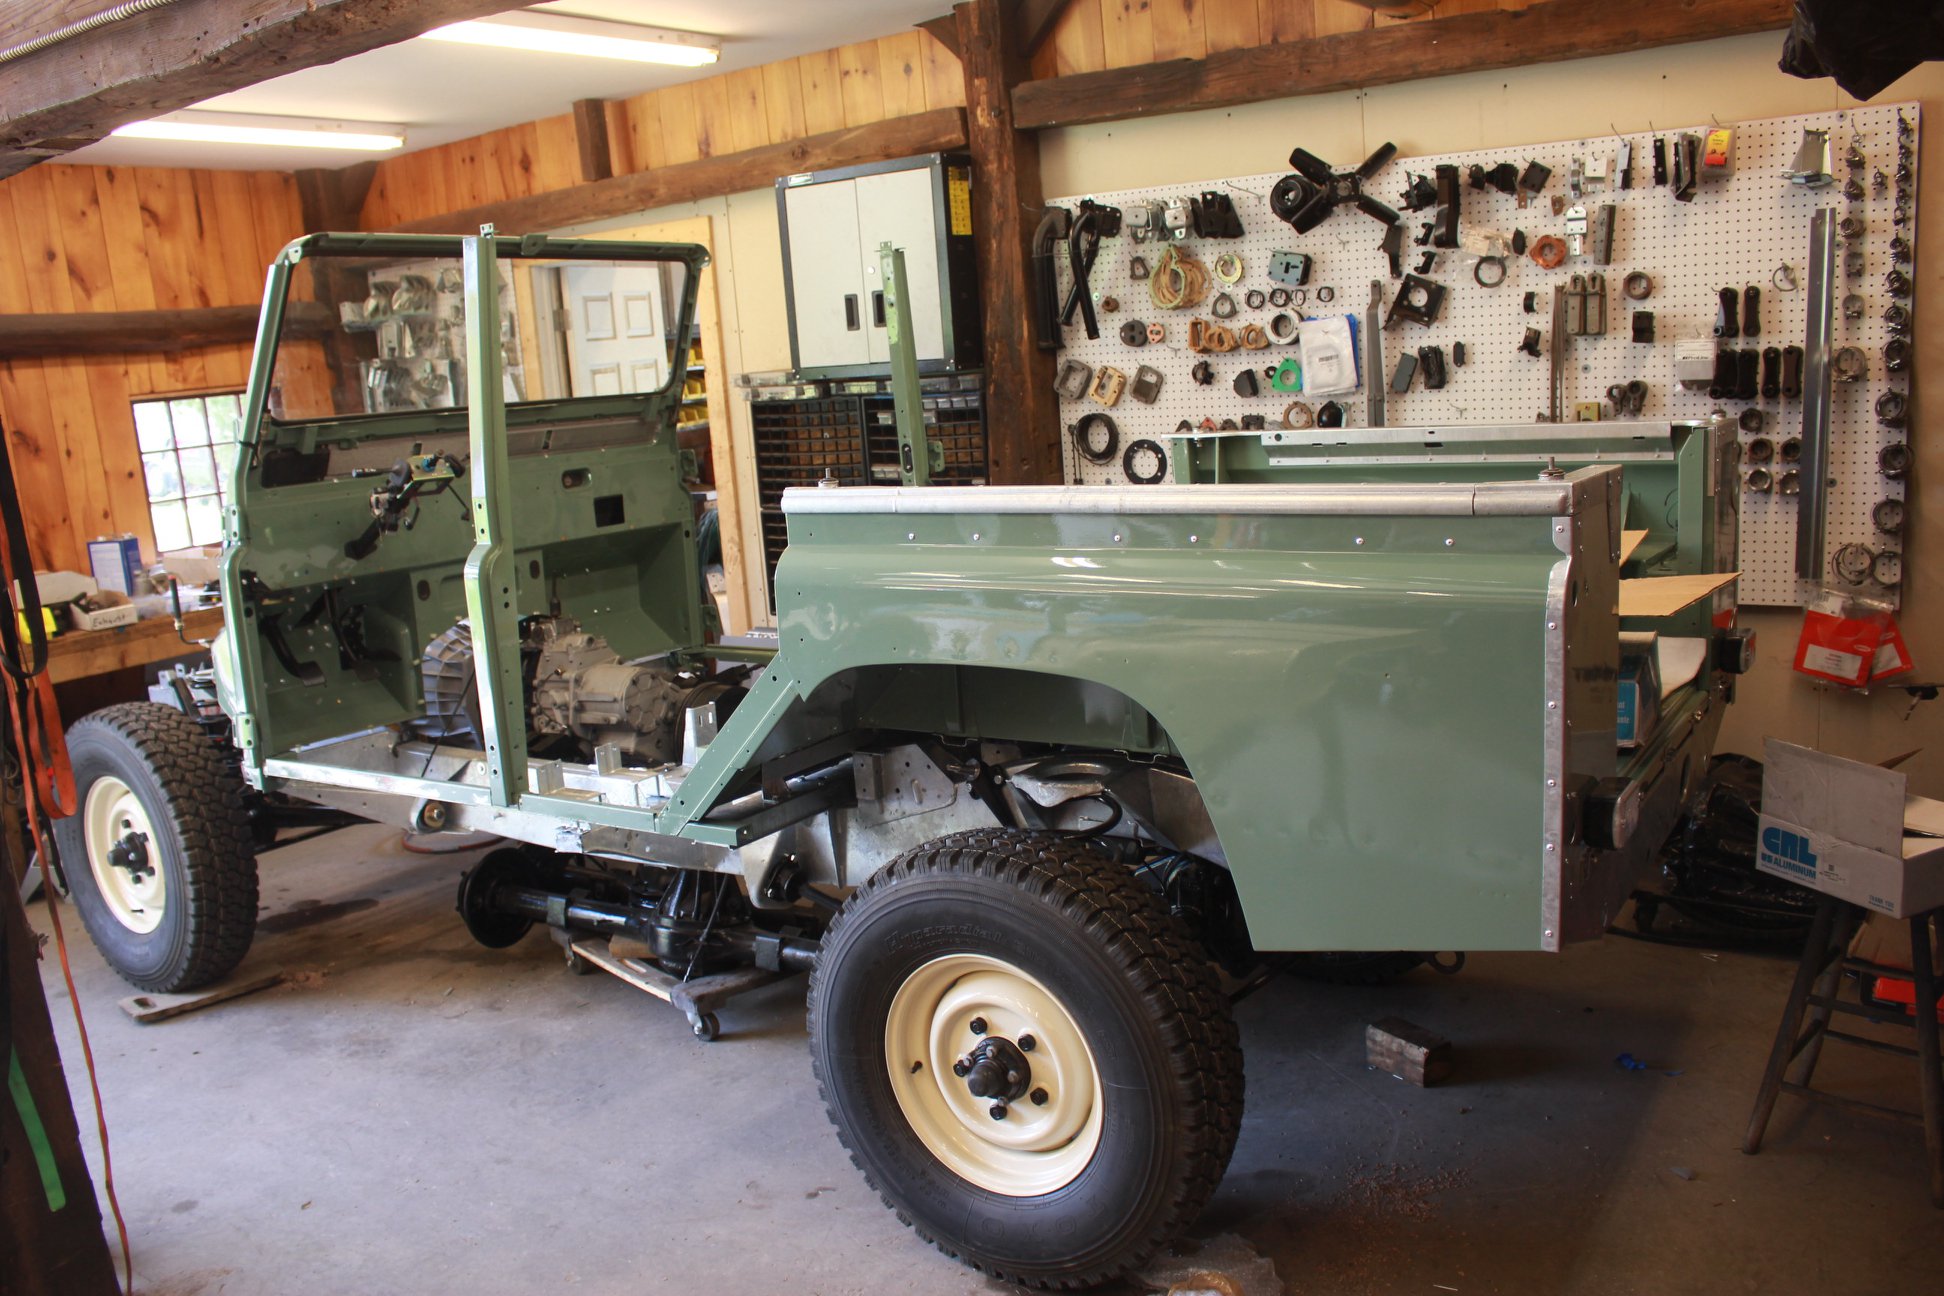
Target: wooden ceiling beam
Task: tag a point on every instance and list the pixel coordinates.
(74, 333)
(80, 89)
(939, 130)
(1546, 32)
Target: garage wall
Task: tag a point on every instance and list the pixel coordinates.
(76, 239)
(1729, 79)
(853, 85)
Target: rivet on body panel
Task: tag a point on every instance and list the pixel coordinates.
(1117, 538)
(1552, 706)
(1359, 539)
(911, 535)
(1194, 539)
(1449, 542)
(975, 535)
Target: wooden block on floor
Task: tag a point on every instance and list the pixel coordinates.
(151, 1008)
(1407, 1051)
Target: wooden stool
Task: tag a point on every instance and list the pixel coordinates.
(1816, 995)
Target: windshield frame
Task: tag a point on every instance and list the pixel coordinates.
(278, 307)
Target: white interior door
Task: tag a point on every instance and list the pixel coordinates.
(616, 336)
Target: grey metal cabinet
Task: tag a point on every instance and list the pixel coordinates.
(832, 223)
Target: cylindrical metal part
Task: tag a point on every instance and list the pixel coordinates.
(1816, 398)
(793, 953)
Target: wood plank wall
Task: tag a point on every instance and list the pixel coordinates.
(853, 85)
(1095, 34)
(84, 238)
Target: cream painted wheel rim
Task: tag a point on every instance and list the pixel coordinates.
(111, 812)
(1037, 1148)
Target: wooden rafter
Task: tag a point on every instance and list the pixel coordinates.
(74, 93)
(73, 333)
(1545, 32)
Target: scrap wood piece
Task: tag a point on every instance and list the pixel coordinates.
(151, 1008)
(1407, 1051)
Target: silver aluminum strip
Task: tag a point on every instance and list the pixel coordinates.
(1565, 437)
(1811, 503)
(344, 776)
(1399, 499)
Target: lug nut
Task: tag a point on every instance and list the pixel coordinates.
(1039, 1097)
(998, 1111)
(960, 1067)
(1027, 1043)
(978, 1025)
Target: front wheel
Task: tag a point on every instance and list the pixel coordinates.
(1026, 1055)
(158, 854)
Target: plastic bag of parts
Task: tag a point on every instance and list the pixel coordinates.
(1850, 640)
(1863, 44)
(1329, 356)
(1224, 1265)
(1710, 884)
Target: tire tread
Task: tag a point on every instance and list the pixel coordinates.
(205, 807)
(1163, 963)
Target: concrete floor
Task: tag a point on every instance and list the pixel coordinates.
(415, 1114)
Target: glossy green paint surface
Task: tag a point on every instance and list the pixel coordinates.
(1362, 719)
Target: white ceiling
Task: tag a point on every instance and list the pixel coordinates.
(442, 92)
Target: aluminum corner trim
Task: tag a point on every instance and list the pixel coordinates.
(1401, 499)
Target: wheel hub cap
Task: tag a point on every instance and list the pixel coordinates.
(119, 840)
(996, 1069)
(1012, 1118)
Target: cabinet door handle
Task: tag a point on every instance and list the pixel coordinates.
(851, 321)
(877, 308)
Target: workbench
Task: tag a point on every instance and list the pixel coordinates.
(80, 654)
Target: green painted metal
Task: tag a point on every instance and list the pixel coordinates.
(914, 452)
(1350, 712)
(1358, 695)
(634, 581)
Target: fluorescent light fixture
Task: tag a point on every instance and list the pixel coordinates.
(555, 33)
(278, 132)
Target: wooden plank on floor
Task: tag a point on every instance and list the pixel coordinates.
(151, 1007)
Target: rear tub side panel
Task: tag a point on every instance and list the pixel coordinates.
(1359, 698)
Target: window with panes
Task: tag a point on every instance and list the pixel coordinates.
(188, 446)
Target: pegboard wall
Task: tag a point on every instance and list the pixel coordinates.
(1742, 228)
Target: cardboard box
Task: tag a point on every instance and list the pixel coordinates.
(1849, 830)
(1640, 690)
(110, 610)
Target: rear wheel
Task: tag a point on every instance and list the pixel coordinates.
(159, 854)
(1026, 1055)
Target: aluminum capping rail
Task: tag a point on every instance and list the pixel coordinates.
(1401, 499)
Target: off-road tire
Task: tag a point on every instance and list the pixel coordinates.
(193, 797)
(1143, 993)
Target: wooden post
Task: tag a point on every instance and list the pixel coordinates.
(1022, 414)
(591, 138)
